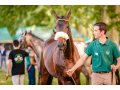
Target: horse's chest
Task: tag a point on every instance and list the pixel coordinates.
(58, 58)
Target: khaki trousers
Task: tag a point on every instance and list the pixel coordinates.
(101, 78)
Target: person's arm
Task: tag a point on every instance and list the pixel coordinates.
(116, 55)
(79, 63)
(8, 68)
(118, 62)
(117, 66)
(32, 58)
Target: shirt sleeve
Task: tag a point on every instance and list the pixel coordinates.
(116, 52)
(26, 54)
(88, 50)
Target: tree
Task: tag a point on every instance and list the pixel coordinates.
(83, 16)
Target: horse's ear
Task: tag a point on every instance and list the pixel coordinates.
(68, 14)
(55, 14)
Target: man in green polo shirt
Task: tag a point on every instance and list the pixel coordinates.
(104, 53)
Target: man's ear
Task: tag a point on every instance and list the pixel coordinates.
(103, 32)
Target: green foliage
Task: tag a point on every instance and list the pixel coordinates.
(26, 15)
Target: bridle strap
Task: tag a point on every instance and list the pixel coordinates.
(63, 20)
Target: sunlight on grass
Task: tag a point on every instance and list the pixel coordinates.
(3, 80)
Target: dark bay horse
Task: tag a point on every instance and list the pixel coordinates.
(60, 54)
(37, 45)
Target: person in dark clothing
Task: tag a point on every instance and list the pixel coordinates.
(17, 59)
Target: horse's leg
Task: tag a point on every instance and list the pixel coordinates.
(86, 73)
(76, 77)
(45, 78)
(59, 82)
(50, 79)
(74, 80)
(65, 81)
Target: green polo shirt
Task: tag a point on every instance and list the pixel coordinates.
(103, 55)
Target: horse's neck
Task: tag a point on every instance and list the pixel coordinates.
(37, 42)
(50, 40)
(36, 45)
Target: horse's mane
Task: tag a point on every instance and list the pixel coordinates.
(36, 36)
(70, 46)
(39, 42)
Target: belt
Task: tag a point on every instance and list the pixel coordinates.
(102, 72)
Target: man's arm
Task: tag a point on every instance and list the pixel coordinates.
(115, 67)
(79, 63)
(32, 58)
(8, 68)
(116, 54)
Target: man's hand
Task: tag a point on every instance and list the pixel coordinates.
(7, 75)
(114, 68)
(70, 72)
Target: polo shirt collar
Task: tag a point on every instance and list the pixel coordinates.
(106, 43)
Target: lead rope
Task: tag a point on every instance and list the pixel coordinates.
(67, 69)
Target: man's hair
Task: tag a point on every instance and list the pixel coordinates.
(102, 26)
(16, 43)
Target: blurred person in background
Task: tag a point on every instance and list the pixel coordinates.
(16, 60)
(3, 52)
(30, 66)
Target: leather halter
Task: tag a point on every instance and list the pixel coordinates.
(63, 20)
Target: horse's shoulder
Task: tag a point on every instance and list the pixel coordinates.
(49, 41)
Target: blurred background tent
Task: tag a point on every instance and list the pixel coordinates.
(45, 33)
(5, 38)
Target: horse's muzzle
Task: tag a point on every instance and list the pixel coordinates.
(61, 46)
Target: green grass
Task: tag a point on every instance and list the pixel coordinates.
(3, 81)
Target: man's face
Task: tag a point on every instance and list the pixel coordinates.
(97, 33)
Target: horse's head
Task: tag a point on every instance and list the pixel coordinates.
(25, 39)
(63, 35)
(62, 29)
(65, 45)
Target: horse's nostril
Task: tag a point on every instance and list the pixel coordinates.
(60, 44)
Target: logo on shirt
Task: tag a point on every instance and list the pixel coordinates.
(18, 58)
(96, 53)
(107, 52)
